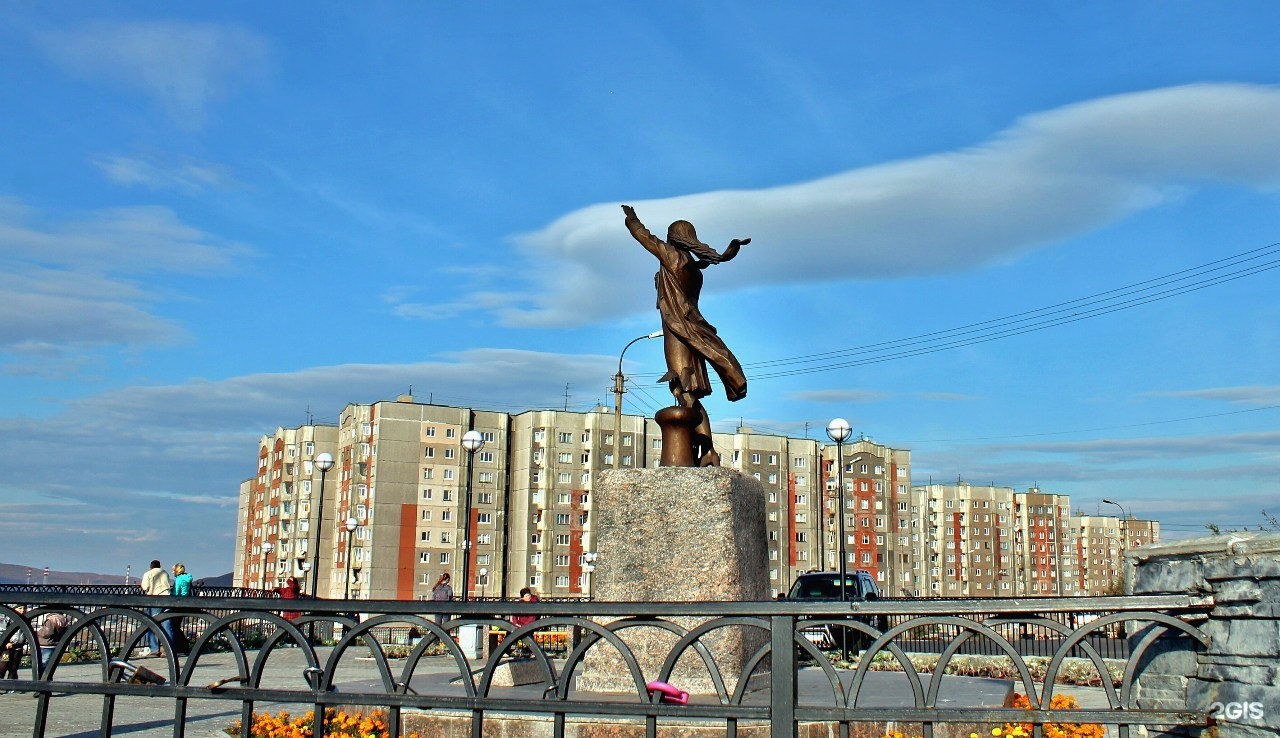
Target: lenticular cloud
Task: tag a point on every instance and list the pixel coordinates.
(1049, 176)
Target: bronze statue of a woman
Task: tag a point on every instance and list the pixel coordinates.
(689, 341)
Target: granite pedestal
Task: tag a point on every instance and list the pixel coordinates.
(677, 534)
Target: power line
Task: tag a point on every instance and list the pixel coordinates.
(1174, 284)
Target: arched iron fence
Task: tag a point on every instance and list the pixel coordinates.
(801, 663)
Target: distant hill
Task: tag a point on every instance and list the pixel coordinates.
(20, 574)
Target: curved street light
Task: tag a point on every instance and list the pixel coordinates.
(266, 553)
(472, 441)
(618, 389)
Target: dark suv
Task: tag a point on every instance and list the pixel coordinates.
(859, 586)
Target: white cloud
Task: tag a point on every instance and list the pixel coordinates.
(1048, 177)
(834, 396)
(184, 67)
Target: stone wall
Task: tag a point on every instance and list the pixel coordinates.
(1237, 678)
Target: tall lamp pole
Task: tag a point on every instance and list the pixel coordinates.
(323, 462)
(618, 389)
(352, 524)
(471, 442)
(839, 430)
(1124, 530)
(266, 554)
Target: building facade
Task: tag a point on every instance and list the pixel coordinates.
(395, 513)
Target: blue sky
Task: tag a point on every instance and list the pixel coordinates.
(214, 218)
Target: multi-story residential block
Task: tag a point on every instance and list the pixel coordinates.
(1098, 545)
(395, 513)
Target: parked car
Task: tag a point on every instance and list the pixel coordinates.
(859, 586)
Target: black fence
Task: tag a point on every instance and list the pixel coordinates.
(776, 665)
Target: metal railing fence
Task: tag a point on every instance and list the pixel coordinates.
(786, 681)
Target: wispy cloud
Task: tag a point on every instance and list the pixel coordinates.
(185, 67)
(186, 174)
(836, 396)
(1251, 395)
(1048, 177)
(73, 282)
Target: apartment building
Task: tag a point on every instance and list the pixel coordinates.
(394, 513)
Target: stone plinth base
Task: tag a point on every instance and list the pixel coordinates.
(683, 535)
(517, 672)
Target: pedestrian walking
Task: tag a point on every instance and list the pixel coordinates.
(442, 592)
(156, 583)
(52, 628)
(290, 591)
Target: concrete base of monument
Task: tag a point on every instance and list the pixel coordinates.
(677, 534)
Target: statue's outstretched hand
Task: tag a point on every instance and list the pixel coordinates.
(630, 211)
(740, 242)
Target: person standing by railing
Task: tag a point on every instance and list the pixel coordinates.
(181, 588)
(156, 583)
(11, 656)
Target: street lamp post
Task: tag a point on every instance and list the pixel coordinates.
(484, 579)
(472, 440)
(839, 430)
(1124, 531)
(266, 554)
(323, 462)
(352, 524)
(618, 389)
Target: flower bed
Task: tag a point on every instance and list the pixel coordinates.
(337, 724)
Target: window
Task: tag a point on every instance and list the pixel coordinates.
(485, 477)
(755, 458)
(486, 456)
(565, 458)
(446, 495)
(562, 581)
(798, 462)
(430, 431)
(562, 560)
(801, 537)
(565, 437)
(562, 539)
(484, 539)
(487, 436)
(562, 518)
(428, 474)
(536, 539)
(444, 557)
(426, 514)
(450, 432)
(445, 537)
(424, 557)
(484, 498)
(446, 515)
(424, 536)
(484, 518)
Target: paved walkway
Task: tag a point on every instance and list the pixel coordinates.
(78, 716)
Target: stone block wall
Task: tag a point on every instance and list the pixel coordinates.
(1237, 678)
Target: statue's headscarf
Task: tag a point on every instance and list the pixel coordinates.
(681, 234)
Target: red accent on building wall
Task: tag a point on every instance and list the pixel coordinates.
(863, 528)
(957, 522)
(575, 540)
(405, 556)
